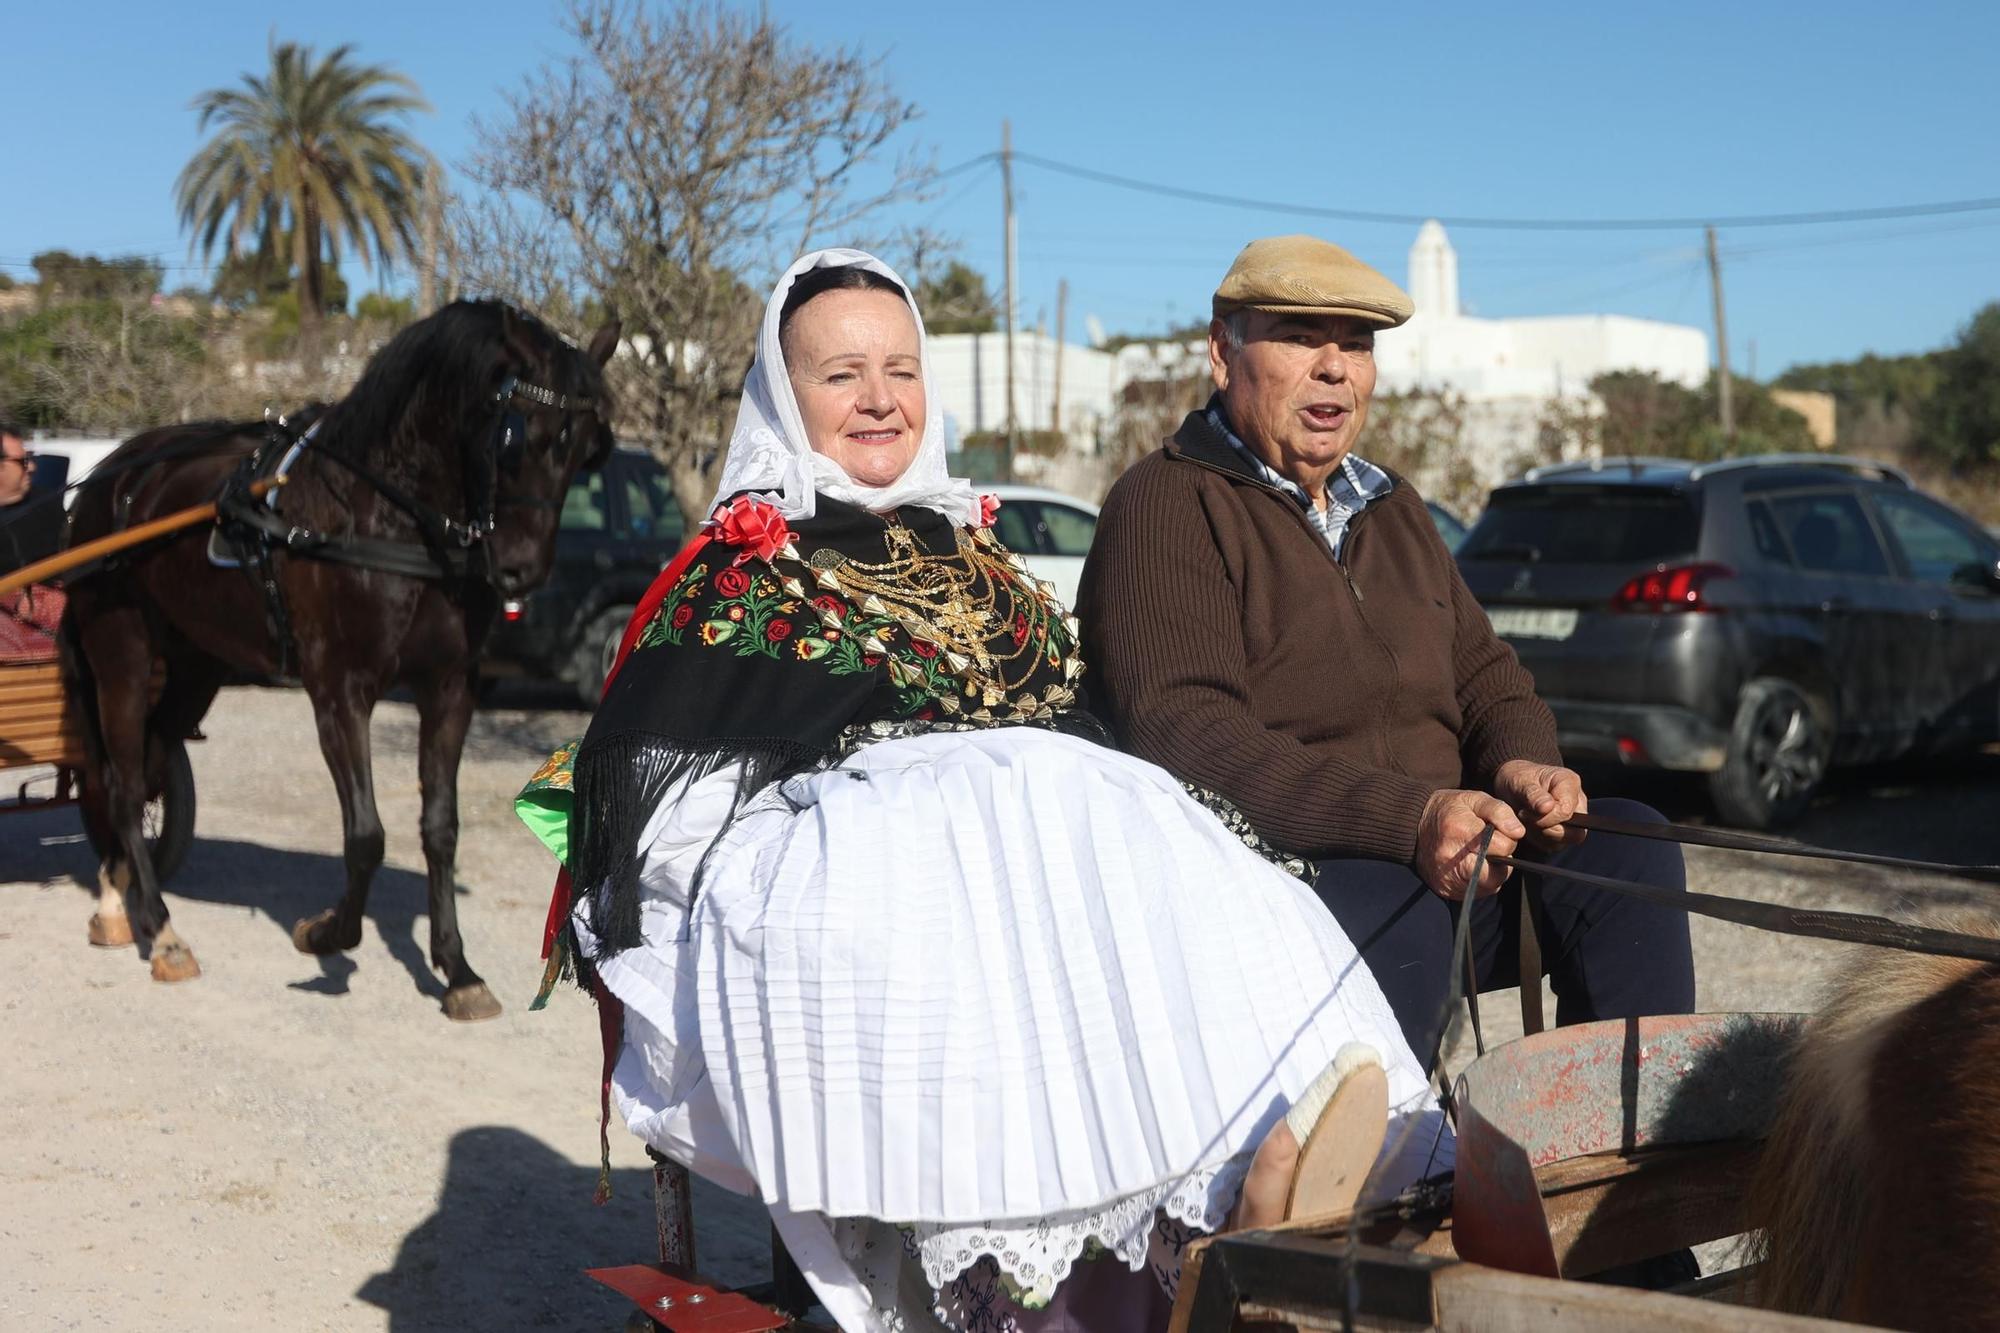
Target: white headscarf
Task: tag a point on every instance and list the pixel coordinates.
(770, 454)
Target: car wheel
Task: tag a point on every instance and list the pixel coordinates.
(596, 649)
(1779, 746)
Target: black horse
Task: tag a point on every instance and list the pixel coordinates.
(420, 501)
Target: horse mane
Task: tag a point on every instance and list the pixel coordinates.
(443, 367)
(1889, 1058)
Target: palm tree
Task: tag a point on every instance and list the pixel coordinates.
(307, 160)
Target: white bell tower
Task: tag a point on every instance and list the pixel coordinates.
(1434, 272)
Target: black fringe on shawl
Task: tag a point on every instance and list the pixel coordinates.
(618, 782)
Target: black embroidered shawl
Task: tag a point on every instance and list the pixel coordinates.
(752, 660)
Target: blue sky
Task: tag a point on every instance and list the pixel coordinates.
(1584, 110)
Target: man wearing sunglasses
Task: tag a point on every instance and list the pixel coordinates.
(31, 528)
(31, 521)
(16, 466)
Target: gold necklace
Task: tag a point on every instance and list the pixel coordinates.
(953, 608)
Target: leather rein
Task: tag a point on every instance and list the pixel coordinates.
(1808, 922)
(1813, 923)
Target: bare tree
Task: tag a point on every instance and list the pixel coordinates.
(106, 366)
(670, 169)
(1566, 429)
(1422, 434)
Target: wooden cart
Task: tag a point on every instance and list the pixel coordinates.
(1579, 1150)
(41, 728)
(42, 758)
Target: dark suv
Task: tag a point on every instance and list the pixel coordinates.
(620, 525)
(1756, 619)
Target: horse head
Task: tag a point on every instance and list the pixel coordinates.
(553, 415)
(480, 415)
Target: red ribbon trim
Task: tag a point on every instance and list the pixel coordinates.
(560, 896)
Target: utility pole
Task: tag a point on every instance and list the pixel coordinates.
(1007, 206)
(1062, 306)
(1721, 344)
(427, 274)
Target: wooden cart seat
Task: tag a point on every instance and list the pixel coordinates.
(38, 723)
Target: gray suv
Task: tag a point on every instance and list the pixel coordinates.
(1756, 620)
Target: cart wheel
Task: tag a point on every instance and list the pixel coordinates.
(168, 819)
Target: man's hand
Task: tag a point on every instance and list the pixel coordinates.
(1546, 796)
(1448, 842)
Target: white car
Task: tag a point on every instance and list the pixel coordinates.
(81, 454)
(1052, 531)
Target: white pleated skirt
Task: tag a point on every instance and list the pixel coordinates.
(969, 976)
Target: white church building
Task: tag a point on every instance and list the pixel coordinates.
(1506, 370)
(1535, 357)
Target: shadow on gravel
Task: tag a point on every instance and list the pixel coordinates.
(286, 886)
(282, 885)
(514, 1229)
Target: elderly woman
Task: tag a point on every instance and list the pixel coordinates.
(902, 946)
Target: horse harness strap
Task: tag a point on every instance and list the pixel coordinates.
(451, 548)
(276, 532)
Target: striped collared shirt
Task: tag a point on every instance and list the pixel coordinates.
(1349, 490)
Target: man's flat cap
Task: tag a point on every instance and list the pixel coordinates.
(1303, 275)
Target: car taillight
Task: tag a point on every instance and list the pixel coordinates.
(1670, 588)
(511, 611)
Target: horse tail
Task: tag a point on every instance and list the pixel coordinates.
(1831, 1183)
(80, 689)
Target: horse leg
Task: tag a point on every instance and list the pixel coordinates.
(110, 927)
(444, 707)
(342, 713)
(120, 657)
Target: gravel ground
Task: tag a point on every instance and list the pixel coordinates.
(308, 1143)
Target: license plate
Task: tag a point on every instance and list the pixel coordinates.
(1521, 622)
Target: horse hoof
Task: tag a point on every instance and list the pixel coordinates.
(175, 962)
(110, 932)
(311, 935)
(470, 1004)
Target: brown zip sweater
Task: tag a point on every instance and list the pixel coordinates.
(1326, 698)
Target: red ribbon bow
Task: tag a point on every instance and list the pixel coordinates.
(753, 525)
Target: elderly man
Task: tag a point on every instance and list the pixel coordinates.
(1272, 617)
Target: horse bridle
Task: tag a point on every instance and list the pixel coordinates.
(506, 447)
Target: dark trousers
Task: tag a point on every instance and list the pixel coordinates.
(1607, 956)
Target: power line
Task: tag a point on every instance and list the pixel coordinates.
(959, 194)
(1515, 224)
(968, 165)
(1857, 238)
